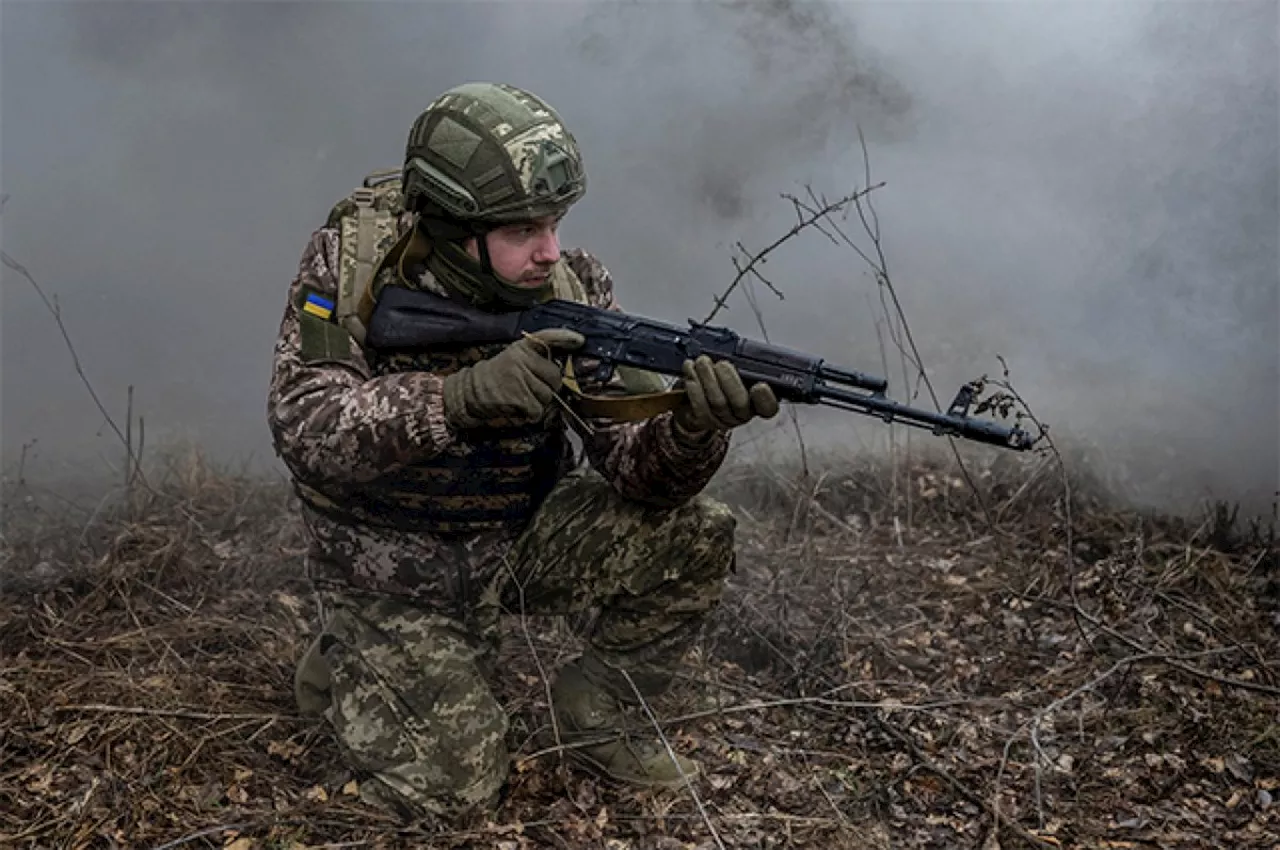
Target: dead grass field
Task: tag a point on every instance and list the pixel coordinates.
(1085, 678)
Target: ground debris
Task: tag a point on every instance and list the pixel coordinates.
(866, 684)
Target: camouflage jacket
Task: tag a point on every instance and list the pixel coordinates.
(338, 427)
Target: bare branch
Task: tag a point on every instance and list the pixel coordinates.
(52, 306)
(671, 753)
(803, 221)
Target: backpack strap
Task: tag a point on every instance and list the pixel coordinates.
(366, 222)
(566, 285)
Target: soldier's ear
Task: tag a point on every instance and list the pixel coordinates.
(473, 250)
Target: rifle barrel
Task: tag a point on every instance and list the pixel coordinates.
(862, 380)
(941, 424)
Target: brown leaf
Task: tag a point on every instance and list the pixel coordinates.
(1239, 767)
(77, 732)
(287, 750)
(289, 601)
(43, 780)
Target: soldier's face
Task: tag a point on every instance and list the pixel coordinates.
(523, 253)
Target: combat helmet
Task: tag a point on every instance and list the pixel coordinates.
(480, 156)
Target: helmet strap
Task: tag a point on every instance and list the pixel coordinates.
(475, 280)
(482, 247)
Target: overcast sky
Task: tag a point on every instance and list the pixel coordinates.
(1089, 190)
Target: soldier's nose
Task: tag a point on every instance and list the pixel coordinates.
(548, 250)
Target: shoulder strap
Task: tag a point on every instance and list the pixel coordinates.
(566, 285)
(366, 225)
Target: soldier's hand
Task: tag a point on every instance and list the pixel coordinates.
(514, 387)
(717, 400)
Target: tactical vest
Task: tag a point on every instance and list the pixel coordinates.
(487, 479)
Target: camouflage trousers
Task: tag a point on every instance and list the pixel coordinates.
(407, 689)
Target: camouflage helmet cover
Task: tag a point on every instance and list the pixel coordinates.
(490, 153)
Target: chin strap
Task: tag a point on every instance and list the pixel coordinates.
(473, 278)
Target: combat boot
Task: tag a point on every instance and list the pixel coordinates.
(609, 742)
(311, 683)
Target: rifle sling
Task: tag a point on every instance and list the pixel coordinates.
(627, 408)
(633, 407)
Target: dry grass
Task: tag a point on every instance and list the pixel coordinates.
(875, 678)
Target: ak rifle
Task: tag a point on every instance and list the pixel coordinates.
(409, 320)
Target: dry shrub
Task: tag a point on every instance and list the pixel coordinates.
(1087, 671)
(146, 646)
(865, 677)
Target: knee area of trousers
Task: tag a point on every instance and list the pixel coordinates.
(708, 519)
(702, 539)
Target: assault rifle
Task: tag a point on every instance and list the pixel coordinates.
(407, 320)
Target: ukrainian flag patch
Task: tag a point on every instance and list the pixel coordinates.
(317, 305)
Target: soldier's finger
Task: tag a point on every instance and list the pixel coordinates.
(559, 339)
(710, 385)
(544, 391)
(763, 401)
(735, 394)
(546, 372)
(694, 395)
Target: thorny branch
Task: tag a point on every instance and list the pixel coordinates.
(133, 456)
(671, 754)
(792, 415)
(816, 213)
(880, 267)
(54, 310)
(810, 219)
(533, 652)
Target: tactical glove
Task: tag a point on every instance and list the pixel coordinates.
(514, 387)
(717, 400)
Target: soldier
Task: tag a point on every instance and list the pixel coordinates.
(441, 490)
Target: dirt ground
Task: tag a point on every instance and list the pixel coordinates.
(892, 667)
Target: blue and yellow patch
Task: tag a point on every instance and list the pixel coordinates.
(317, 305)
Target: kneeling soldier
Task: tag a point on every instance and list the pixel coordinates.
(440, 488)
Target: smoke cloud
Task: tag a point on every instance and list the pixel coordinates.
(1088, 190)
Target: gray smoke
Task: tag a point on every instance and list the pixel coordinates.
(1087, 190)
(737, 93)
